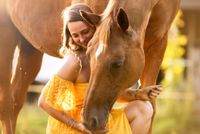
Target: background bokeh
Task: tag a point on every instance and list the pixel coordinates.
(178, 107)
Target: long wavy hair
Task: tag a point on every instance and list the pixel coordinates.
(71, 14)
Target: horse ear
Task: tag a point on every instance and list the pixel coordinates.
(91, 18)
(122, 19)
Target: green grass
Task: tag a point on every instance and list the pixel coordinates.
(174, 116)
(32, 120)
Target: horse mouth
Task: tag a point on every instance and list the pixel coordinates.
(103, 131)
(97, 126)
(96, 120)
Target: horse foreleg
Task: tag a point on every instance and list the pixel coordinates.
(8, 42)
(156, 41)
(28, 65)
(156, 38)
(6, 101)
(6, 109)
(153, 59)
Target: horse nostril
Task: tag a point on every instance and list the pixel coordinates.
(94, 123)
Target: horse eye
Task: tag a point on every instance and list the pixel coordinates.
(117, 64)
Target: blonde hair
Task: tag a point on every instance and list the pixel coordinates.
(71, 14)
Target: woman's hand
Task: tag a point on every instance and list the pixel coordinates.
(82, 128)
(147, 93)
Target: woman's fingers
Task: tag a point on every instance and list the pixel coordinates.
(87, 131)
(154, 91)
(154, 86)
(150, 92)
(103, 131)
(154, 94)
(84, 129)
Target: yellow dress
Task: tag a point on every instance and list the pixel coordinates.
(68, 97)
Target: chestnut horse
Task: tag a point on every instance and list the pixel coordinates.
(129, 43)
(35, 26)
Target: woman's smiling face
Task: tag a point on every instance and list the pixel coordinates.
(81, 33)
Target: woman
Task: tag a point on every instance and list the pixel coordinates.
(62, 97)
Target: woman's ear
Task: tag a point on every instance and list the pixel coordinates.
(90, 18)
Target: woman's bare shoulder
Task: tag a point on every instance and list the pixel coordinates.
(70, 68)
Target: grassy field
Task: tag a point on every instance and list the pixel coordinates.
(32, 120)
(174, 116)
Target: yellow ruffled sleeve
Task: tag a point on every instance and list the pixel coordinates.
(59, 93)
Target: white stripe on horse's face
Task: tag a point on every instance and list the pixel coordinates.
(99, 49)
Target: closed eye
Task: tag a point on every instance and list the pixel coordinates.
(86, 31)
(74, 35)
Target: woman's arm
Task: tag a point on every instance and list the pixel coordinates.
(61, 116)
(69, 71)
(57, 114)
(145, 94)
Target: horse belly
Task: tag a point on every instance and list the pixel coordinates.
(39, 21)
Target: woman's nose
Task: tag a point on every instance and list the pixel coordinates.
(82, 39)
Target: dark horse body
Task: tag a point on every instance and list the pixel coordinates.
(35, 26)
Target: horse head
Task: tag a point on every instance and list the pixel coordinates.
(116, 61)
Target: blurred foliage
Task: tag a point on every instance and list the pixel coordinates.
(174, 64)
(175, 104)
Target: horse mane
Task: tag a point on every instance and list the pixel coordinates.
(108, 18)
